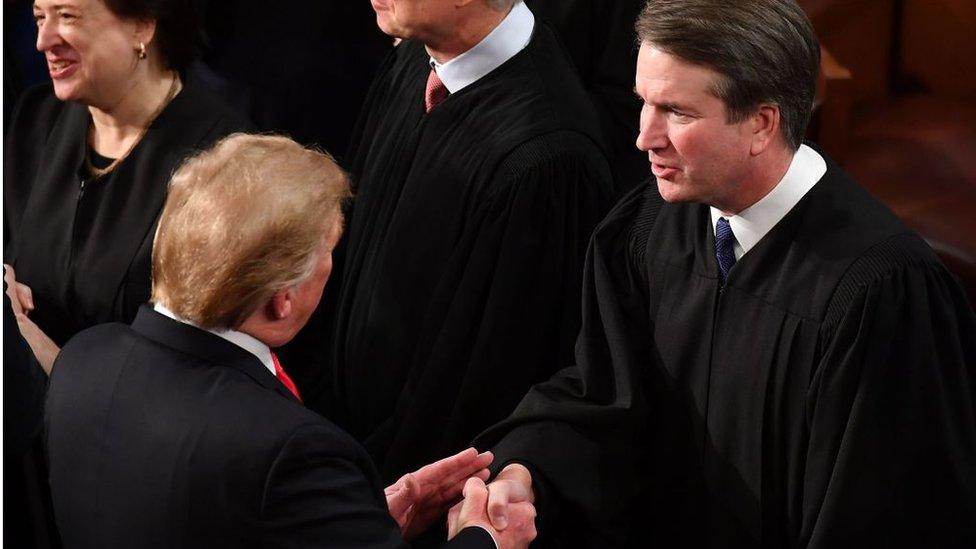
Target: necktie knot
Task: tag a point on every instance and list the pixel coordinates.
(724, 248)
(436, 91)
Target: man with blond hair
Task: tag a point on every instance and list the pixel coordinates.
(184, 430)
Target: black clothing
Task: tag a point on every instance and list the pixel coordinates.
(24, 386)
(823, 398)
(164, 435)
(84, 245)
(24, 489)
(465, 249)
(599, 37)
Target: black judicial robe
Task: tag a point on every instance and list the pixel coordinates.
(460, 284)
(599, 37)
(85, 251)
(823, 398)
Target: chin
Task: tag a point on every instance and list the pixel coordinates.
(385, 24)
(671, 191)
(65, 92)
(69, 92)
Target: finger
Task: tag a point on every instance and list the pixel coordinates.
(522, 516)
(483, 474)
(13, 294)
(498, 497)
(26, 296)
(452, 521)
(449, 474)
(468, 466)
(447, 466)
(400, 497)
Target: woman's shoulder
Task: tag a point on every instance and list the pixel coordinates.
(36, 112)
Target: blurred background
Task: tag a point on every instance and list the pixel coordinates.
(897, 109)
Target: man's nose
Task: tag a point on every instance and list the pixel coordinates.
(653, 131)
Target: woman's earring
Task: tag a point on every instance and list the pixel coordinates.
(141, 50)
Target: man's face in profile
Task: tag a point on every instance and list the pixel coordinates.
(695, 153)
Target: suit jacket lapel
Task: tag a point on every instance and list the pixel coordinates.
(206, 346)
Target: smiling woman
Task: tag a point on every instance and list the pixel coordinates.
(88, 157)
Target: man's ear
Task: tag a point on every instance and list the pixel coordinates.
(765, 123)
(280, 304)
(145, 31)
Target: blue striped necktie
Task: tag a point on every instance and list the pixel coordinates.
(724, 242)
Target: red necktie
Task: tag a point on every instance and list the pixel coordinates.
(283, 377)
(436, 91)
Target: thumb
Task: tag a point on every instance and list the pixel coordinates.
(473, 505)
(498, 498)
(400, 495)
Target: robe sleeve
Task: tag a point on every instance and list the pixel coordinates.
(583, 433)
(505, 311)
(891, 459)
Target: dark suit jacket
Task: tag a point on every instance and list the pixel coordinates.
(164, 435)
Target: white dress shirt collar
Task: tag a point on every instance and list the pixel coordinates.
(754, 222)
(242, 340)
(507, 39)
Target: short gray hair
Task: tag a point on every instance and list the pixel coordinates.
(766, 51)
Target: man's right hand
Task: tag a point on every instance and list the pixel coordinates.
(473, 511)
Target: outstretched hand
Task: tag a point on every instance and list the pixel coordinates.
(419, 498)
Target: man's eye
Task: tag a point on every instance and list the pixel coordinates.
(67, 16)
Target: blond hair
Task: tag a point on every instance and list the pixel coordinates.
(243, 220)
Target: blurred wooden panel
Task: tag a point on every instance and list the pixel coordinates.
(858, 33)
(939, 45)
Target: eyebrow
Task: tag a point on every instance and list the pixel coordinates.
(54, 7)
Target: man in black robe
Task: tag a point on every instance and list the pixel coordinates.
(768, 356)
(478, 185)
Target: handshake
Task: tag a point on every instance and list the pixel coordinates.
(456, 486)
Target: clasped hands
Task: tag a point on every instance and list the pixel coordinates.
(417, 499)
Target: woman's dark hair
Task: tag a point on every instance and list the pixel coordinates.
(179, 30)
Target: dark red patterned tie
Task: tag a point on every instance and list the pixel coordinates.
(283, 377)
(436, 91)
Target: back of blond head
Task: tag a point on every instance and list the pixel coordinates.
(243, 220)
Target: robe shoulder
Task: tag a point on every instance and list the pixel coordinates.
(535, 93)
